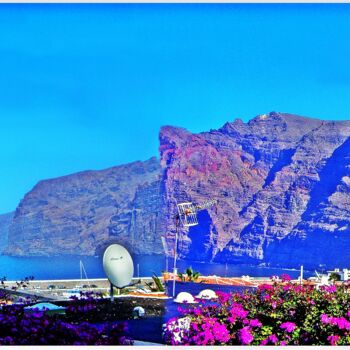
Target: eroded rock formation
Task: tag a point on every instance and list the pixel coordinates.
(81, 213)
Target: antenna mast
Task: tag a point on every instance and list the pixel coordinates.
(187, 215)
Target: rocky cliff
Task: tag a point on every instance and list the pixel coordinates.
(82, 213)
(282, 183)
(5, 221)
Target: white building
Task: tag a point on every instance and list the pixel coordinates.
(344, 275)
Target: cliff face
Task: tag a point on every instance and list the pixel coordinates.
(5, 221)
(84, 212)
(282, 184)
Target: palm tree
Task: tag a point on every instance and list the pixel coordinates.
(181, 276)
(190, 275)
(158, 285)
(334, 277)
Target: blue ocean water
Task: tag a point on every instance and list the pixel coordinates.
(67, 267)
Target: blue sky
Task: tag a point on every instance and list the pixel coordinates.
(88, 86)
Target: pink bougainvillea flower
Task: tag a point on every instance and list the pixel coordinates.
(331, 289)
(223, 297)
(324, 318)
(237, 312)
(255, 323)
(245, 336)
(273, 338)
(197, 311)
(288, 326)
(333, 339)
(343, 323)
(264, 342)
(285, 277)
(265, 287)
(287, 287)
(221, 333)
(333, 320)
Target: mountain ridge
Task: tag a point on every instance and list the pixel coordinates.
(264, 174)
(257, 211)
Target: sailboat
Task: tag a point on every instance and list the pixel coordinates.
(75, 292)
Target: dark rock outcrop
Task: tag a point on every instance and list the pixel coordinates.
(282, 186)
(5, 221)
(82, 213)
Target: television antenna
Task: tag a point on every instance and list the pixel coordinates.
(187, 216)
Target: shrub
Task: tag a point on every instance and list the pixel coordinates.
(281, 313)
(38, 328)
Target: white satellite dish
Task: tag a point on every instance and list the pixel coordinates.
(118, 265)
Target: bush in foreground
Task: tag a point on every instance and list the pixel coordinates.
(18, 327)
(279, 314)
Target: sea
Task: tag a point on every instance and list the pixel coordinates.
(68, 267)
(150, 328)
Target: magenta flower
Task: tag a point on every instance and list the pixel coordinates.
(221, 333)
(197, 311)
(264, 342)
(245, 336)
(333, 320)
(267, 297)
(273, 338)
(223, 297)
(343, 323)
(283, 343)
(288, 326)
(236, 312)
(331, 289)
(265, 287)
(324, 318)
(285, 277)
(333, 339)
(255, 323)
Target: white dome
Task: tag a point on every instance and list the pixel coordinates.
(185, 297)
(207, 294)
